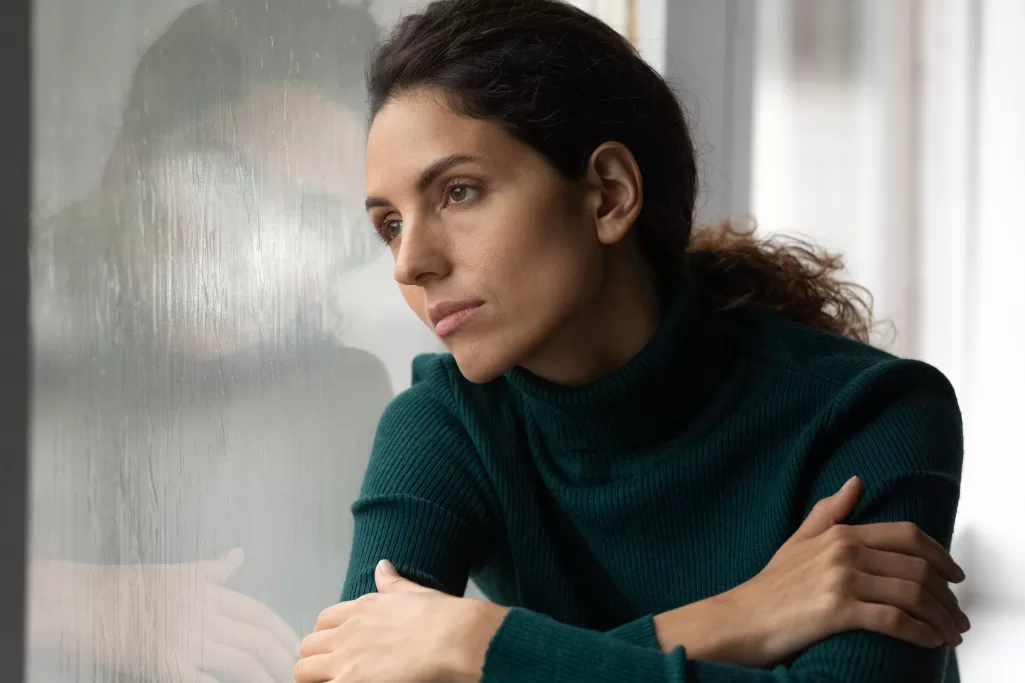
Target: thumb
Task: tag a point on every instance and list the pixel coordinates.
(831, 510)
(388, 580)
(220, 570)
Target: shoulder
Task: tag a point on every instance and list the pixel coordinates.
(862, 400)
(439, 394)
(423, 413)
(895, 422)
(436, 374)
(841, 367)
(422, 438)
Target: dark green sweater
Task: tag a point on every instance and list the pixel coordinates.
(590, 509)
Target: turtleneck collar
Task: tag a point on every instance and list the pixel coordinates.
(640, 403)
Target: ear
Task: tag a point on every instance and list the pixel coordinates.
(613, 174)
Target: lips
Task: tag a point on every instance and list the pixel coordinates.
(447, 316)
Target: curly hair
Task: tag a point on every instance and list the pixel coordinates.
(792, 276)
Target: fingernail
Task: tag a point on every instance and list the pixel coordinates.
(850, 482)
(387, 568)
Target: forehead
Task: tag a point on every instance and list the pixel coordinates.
(414, 130)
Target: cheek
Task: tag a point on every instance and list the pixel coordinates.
(561, 276)
(541, 259)
(540, 266)
(536, 287)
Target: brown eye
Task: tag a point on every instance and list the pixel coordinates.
(388, 229)
(459, 194)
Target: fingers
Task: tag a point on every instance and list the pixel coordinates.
(234, 664)
(261, 644)
(894, 622)
(333, 616)
(911, 568)
(908, 539)
(831, 510)
(913, 600)
(385, 575)
(388, 580)
(317, 643)
(315, 669)
(248, 610)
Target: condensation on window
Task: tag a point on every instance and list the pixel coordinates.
(215, 333)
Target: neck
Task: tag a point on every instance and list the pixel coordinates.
(610, 329)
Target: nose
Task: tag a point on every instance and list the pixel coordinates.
(421, 254)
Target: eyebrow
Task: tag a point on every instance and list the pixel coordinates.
(428, 176)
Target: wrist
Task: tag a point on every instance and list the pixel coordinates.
(714, 629)
(467, 638)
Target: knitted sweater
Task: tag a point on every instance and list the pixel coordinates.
(587, 510)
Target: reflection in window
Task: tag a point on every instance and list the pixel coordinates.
(202, 416)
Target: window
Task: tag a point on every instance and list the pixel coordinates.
(832, 149)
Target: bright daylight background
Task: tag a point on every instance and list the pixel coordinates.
(889, 130)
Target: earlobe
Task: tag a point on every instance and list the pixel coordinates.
(614, 174)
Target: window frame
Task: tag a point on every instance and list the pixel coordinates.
(14, 376)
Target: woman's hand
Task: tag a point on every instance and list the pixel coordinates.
(890, 578)
(160, 621)
(404, 633)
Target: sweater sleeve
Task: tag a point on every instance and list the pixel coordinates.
(899, 428)
(424, 503)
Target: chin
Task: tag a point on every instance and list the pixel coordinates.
(478, 365)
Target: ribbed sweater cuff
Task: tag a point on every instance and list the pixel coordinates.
(637, 632)
(531, 647)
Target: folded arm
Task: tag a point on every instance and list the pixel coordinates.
(898, 427)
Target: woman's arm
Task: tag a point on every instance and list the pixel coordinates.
(899, 425)
(900, 429)
(828, 578)
(425, 505)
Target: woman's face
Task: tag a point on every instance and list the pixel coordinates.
(494, 250)
(263, 215)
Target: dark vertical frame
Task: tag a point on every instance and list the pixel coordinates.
(15, 84)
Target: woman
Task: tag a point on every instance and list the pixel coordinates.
(622, 428)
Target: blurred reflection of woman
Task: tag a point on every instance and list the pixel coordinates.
(199, 436)
(645, 444)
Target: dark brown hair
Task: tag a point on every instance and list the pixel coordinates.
(563, 82)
